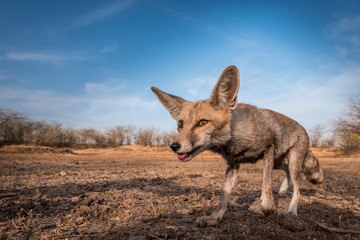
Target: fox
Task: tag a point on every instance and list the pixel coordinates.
(242, 133)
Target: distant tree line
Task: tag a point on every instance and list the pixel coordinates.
(345, 130)
(320, 137)
(16, 128)
(347, 126)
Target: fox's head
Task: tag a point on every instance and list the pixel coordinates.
(206, 123)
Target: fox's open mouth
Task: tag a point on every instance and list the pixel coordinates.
(185, 157)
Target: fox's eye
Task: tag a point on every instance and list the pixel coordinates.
(180, 124)
(202, 123)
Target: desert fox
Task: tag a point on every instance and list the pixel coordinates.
(242, 133)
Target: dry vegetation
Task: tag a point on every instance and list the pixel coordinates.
(137, 192)
(345, 130)
(347, 126)
(16, 128)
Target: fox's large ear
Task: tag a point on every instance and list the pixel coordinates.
(225, 91)
(172, 103)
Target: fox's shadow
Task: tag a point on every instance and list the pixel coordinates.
(30, 198)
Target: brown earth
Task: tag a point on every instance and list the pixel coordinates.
(136, 192)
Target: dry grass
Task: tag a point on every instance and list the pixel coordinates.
(136, 192)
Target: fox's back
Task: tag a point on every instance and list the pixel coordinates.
(254, 130)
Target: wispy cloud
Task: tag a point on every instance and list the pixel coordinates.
(242, 41)
(110, 48)
(29, 56)
(199, 88)
(347, 24)
(87, 110)
(180, 14)
(110, 85)
(42, 57)
(307, 99)
(346, 32)
(100, 14)
(3, 76)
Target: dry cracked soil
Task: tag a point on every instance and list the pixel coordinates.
(134, 192)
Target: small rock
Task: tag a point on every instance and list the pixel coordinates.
(103, 209)
(83, 210)
(169, 233)
(92, 196)
(294, 223)
(79, 219)
(62, 173)
(74, 199)
(43, 202)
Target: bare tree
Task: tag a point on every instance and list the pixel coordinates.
(347, 126)
(92, 137)
(316, 134)
(164, 138)
(168, 137)
(328, 141)
(46, 134)
(85, 136)
(158, 139)
(65, 136)
(116, 136)
(145, 136)
(129, 134)
(13, 127)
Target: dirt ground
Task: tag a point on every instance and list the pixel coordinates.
(134, 192)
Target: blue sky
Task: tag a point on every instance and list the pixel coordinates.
(91, 63)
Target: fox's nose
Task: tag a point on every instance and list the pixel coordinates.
(175, 146)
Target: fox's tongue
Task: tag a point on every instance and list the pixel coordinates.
(182, 155)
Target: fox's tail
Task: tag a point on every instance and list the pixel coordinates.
(311, 169)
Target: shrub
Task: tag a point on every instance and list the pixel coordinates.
(347, 127)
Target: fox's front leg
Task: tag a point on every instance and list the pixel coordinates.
(230, 180)
(267, 199)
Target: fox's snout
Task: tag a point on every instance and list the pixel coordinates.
(175, 146)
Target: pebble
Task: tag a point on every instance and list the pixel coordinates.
(294, 223)
(62, 173)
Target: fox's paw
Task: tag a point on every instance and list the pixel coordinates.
(268, 207)
(207, 221)
(291, 212)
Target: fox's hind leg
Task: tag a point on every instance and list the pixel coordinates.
(296, 158)
(231, 175)
(286, 182)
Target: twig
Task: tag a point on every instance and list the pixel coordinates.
(109, 231)
(128, 231)
(153, 236)
(13, 222)
(71, 235)
(337, 230)
(14, 195)
(8, 195)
